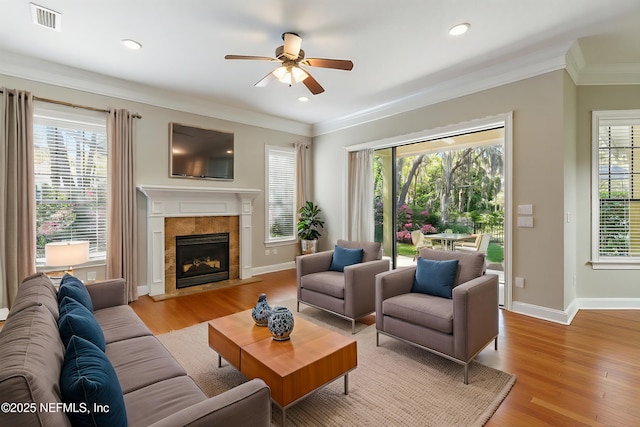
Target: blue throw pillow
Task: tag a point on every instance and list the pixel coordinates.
(435, 277)
(73, 288)
(343, 257)
(76, 319)
(89, 381)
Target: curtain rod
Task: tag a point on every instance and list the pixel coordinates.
(68, 104)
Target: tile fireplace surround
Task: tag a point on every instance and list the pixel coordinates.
(172, 201)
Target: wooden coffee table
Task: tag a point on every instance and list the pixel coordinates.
(293, 369)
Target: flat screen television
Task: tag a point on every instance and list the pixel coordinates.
(200, 153)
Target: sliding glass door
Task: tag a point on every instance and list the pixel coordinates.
(450, 185)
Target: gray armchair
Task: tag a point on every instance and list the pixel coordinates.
(349, 294)
(457, 328)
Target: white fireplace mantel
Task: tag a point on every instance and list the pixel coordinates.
(174, 201)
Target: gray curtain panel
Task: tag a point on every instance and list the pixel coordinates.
(122, 233)
(17, 193)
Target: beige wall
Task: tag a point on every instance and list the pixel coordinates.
(539, 136)
(570, 199)
(598, 283)
(153, 157)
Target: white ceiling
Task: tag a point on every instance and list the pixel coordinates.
(401, 50)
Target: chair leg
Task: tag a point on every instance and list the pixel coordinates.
(495, 345)
(377, 339)
(298, 306)
(466, 373)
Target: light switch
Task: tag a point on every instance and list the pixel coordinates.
(525, 209)
(525, 221)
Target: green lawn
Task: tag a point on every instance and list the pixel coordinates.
(495, 252)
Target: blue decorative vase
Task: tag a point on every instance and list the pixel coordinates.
(261, 312)
(280, 323)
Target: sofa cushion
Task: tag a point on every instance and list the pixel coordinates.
(120, 323)
(325, 282)
(421, 309)
(435, 277)
(36, 289)
(31, 356)
(175, 394)
(72, 287)
(76, 319)
(372, 250)
(87, 380)
(142, 361)
(343, 257)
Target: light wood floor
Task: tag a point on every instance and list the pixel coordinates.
(585, 374)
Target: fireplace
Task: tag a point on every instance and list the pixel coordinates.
(201, 258)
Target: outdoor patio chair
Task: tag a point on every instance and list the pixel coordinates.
(480, 244)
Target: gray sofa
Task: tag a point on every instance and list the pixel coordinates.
(156, 389)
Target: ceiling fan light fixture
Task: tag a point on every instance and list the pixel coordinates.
(459, 29)
(290, 74)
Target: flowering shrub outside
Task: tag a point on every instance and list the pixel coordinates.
(409, 221)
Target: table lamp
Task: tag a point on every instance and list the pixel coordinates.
(62, 254)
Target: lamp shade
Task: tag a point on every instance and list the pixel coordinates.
(65, 254)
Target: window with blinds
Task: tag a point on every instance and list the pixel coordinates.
(70, 155)
(280, 185)
(617, 190)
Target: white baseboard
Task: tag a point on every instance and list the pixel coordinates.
(544, 313)
(609, 303)
(4, 312)
(256, 271)
(565, 317)
(143, 290)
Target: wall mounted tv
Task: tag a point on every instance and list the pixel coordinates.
(200, 153)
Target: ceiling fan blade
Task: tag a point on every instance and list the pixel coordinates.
(338, 64)
(292, 44)
(312, 84)
(259, 58)
(266, 80)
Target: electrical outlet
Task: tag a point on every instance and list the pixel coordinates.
(267, 252)
(519, 282)
(274, 251)
(91, 276)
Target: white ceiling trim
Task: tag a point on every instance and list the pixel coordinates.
(584, 74)
(564, 57)
(59, 75)
(486, 78)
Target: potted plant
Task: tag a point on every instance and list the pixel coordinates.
(309, 222)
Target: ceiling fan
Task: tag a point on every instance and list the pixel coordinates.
(292, 58)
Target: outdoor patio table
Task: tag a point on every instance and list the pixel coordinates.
(450, 239)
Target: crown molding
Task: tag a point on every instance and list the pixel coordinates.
(610, 74)
(502, 73)
(584, 74)
(37, 70)
(575, 62)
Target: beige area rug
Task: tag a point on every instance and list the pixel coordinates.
(394, 384)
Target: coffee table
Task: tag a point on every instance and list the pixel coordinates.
(293, 369)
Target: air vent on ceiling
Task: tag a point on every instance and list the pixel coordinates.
(46, 17)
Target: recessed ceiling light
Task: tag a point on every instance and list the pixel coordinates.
(131, 44)
(303, 99)
(459, 29)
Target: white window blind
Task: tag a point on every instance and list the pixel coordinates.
(281, 212)
(70, 153)
(617, 190)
